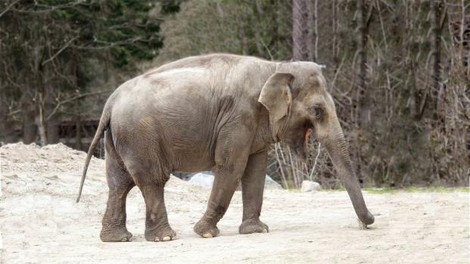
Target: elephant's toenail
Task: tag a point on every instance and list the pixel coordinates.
(207, 235)
(167, 238)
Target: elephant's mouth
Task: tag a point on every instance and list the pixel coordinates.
(299, 144)
(301, 150)
(308, 135)
(298, 138)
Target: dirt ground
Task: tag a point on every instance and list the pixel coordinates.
(41, 223)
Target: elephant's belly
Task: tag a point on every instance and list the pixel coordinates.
(193, 161)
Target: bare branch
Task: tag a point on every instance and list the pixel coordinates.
(60, 51)
(8, 8)
(48, 8)
(108, 45)
(59, 104)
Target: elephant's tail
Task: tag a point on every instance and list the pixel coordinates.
(104, 123)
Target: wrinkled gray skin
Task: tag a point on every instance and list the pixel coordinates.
(219, 112)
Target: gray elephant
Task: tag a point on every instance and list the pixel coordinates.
(214, 112)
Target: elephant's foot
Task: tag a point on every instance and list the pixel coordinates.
(250, 226)
(119, 234)
(205, 229)
(164, 233)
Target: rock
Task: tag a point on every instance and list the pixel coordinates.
(206, 179)
(310, 186)
(202, 179)
(271, 184)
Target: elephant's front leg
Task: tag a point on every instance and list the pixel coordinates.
(252, 192)
(230, 164)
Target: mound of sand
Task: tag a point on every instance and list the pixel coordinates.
(53, 168)
(41, 223)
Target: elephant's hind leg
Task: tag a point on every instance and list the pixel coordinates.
(149, 166)
(157, 227)
(119, 183)
(114, 220)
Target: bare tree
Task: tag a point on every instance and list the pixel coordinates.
(299, 30)
(365, 12)
(438, 89)
(313, 29)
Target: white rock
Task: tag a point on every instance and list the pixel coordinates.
(310, 186)
(206, 179)
(202, 179)
(271, 184)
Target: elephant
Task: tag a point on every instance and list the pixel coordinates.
(218, 112)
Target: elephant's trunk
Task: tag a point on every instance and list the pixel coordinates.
(338, 149)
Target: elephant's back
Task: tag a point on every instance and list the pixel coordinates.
(216, 60)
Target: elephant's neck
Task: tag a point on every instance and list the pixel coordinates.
(264, 135)
(278, 135)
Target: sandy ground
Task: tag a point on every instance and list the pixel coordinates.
(41, 223)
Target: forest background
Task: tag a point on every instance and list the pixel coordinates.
(399, 71)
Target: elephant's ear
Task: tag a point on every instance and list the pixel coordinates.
(277, 98)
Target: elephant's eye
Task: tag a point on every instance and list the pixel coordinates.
(317, 112)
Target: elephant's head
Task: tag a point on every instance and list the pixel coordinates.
(298, 102)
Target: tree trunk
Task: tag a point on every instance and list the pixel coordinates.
(364, 95)
(363, 98)
(78, 125)
(52, 131)
(41, 120)
(29, 125)
(438, 89)
(258, 11)
(299, 30)
(4, 128)
(335, 23)
(313, 29)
